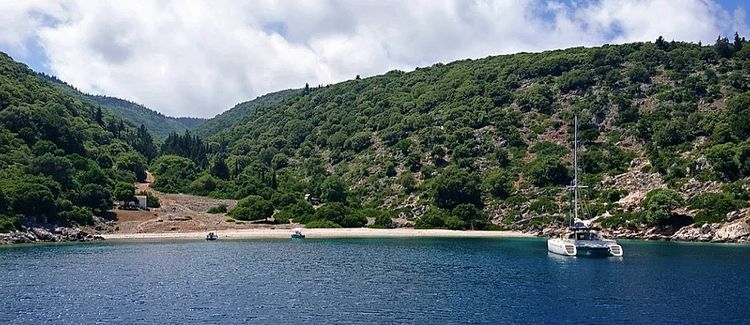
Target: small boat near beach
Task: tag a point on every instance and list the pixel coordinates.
(212, 236)
(297, 234)
(582, 239)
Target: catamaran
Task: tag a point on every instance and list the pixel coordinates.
(582, 239)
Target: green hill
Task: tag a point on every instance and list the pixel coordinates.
(62, 160)
(158, 124)
(241, 111)
(664, 129)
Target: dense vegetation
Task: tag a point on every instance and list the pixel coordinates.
(156, 123)
(241, 111)
(63, 160)
(480, 142)
(473, 144)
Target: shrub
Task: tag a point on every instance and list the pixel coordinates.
(658, 205)
(498, 184)
(322, 224)
(282, 217)
(407, 181)
(301, 211)
(437, 218)
(124, 192)
(623, 219)
(469, 214)
(574, 80)
(221, 208)
(714, 207)
(543, 205)
(79, 215)
(455, 186)
(546, 171)
(383, 220)
(252, 207)
(433, 218)
(333, 212)
(152, 201)
(9, 223)
(539, 97)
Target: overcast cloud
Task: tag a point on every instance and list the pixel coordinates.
(198, 58)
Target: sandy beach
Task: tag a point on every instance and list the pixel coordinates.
(317, 233)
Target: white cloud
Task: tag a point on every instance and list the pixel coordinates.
(198, 58)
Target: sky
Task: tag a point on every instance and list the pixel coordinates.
(199, 58)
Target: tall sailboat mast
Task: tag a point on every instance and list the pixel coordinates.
(575, 170)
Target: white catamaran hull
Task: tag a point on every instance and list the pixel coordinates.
(561, 247)
(570, 248)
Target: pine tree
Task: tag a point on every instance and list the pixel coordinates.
(99, 117)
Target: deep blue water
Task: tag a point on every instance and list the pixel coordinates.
(371, 281)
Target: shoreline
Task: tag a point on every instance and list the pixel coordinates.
(316, 233)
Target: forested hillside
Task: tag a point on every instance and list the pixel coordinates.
(664, 137)
(158, 124)
(242, 111)
(62, 160)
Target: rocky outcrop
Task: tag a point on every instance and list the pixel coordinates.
(693, 188)
(735, 230)
(39, 234)
(636, 181)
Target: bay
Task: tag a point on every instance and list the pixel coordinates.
(393, 280)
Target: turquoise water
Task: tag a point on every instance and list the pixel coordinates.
(372, 281)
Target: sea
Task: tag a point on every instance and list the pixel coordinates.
(388, 280)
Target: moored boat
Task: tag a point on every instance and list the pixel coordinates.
(581, 239)
(297, 234)
(212, 236)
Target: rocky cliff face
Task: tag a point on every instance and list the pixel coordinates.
(736, 229)
(38, 234)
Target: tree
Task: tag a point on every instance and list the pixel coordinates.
(58, 168)
(658, 205)
(723, 48)
(334, 212)
(470, 214)
(723, 159)
(407, 181)
(498, 184)
(739, 115)
(124, 192)
(455, 186)
(359, 141)
(132, 162)
(301, 211)
(540, 97)
(333, 189)
(99, 117)
(383, 220)
(220, 168)
(638, 73)
(96, 197)
(546, 171)
(253, 207)
(31, 199)
(279, 161)
(661, 44)
(173, 173)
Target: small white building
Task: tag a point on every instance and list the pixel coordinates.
(142, 201)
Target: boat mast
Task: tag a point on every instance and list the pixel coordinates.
(575, 170)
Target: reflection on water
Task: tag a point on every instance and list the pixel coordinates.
(411, 280)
